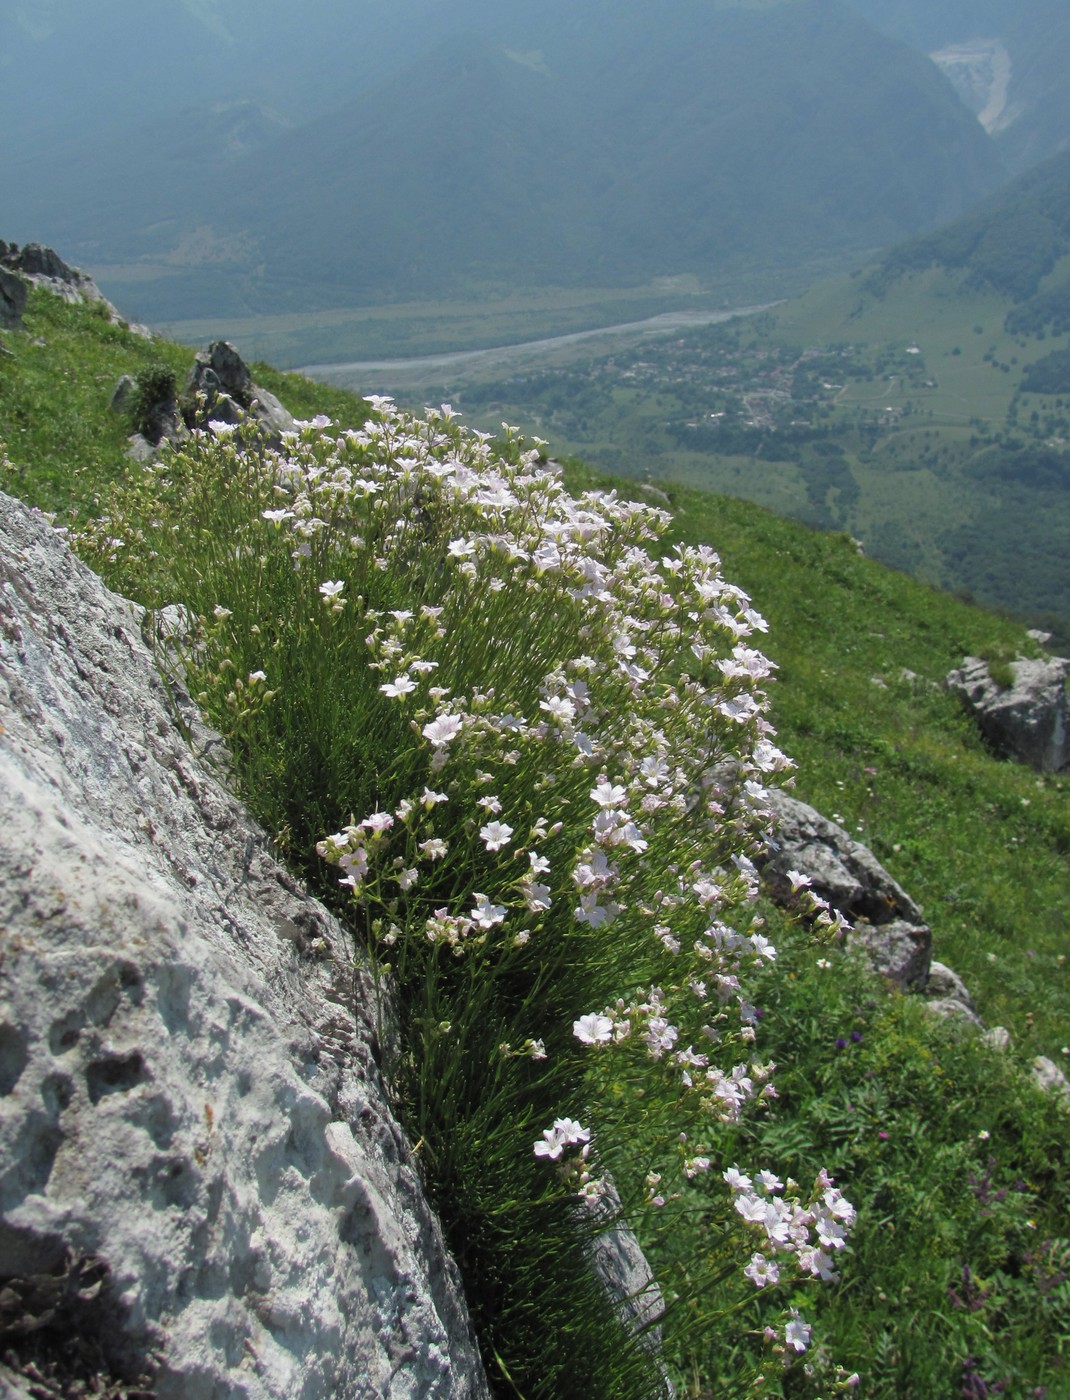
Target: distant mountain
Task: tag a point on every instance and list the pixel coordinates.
(1007, 60)
(1011, 244)
(592, 144)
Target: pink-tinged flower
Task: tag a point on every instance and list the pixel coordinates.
(537, 897)
(566, 1132)
(443, 729)
(495, 835)
(736, 1179)
(761, 1270)
(797, 880)
(593, 1029)
(433, 849)
(797, 1332)
(559, 709)
(378, 822)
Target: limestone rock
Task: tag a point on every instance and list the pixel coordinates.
(898, 950)
(947, 995)
(888, 926)
(192, 1125)
(1047, 1075)
(843, 871)
(39, 266)
(1030, 720)
(223, 379)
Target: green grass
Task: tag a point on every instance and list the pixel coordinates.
(957, 1271)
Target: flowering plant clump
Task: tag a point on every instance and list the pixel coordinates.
(549, 732)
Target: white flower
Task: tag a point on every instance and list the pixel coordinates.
(736, 1179)
(566, 1132)
(486, 914)
(443, 729)
(399, 687)
(434, 849)
(536, 896)
(608, 794)
(495, 835)
(332, 587)
(593, 1029)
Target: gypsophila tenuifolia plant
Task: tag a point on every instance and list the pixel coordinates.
(536, 741)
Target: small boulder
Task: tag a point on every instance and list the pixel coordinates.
(841, 870)
(899, 951)
(1029, 720)
(221, 385)
(1047, 1075)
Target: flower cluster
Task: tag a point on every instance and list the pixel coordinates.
(581, 753)
(809, 1234)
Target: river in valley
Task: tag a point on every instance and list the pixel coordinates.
(456, 367)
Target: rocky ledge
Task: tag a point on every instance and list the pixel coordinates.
(203, 1191)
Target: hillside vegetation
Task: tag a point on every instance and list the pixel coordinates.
(949, 1155)
(922, 404)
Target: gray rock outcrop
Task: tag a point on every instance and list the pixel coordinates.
(223, 379)
(888, 925)
(202, 1188)
(13, 296)
(38, 266)
(1028, 721)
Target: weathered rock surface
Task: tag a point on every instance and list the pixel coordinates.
(888, 925)
(1030, 720)
(223, 378)
(192, 1126)
(946, 994)
(39, 266)
(1047, 1076)
(13, 296)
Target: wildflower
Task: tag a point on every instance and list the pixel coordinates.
(736, 1180)
(761, 1270)
(593, 1029)
(495, 835)
(486, 914)
(442, 730)
(434, 848)
(331, 588)
(400, 686)
(797, 1332)
(566, 1132)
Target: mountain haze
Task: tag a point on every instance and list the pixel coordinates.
(446, 149)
